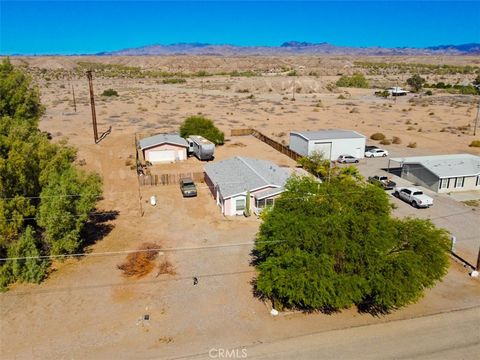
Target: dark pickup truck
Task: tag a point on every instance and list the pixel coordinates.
(382, 181)
(188, 188)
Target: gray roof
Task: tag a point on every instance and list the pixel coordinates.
(328, 134)
(160, 139)
(446, 165)
(239, 174)
(269, 192)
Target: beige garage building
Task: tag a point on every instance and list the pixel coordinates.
(164, 148)
(442, 173)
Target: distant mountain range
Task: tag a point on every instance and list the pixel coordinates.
(291, 48)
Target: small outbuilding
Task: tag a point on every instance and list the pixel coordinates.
(442, 173)
(330, 143)
(397, 91)
(240, 181)
(163, 148)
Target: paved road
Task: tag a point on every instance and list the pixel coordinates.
(461, 220)
(454, 335)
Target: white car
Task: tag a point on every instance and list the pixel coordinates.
(347, 159)
(413, 196)
(376, 153)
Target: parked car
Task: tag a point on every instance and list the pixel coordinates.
(347, 159)
(413, 196)
(370, 147)
(376, 153)
(188, 187)
(382, 181)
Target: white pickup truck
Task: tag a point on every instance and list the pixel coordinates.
(413, 196)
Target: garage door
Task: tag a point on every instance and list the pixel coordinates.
(322, 148)
(161, 156)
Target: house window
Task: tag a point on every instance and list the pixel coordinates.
(262, 203)
(444, 183)
(459, 182)
(240, 204)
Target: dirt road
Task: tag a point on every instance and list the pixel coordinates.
(453, 335)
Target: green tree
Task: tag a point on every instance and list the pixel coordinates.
(333, 245)
(416, 82)
(25, 266)
(18, 99)
(199, 125)
(45, 201)
(317, 165)
(63, 217)
(357, 80)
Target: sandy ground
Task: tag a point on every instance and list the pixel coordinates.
(86, 309)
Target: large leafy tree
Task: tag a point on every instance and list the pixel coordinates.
(416, 82)
(44, 200)
(199, 125)
(328, 246)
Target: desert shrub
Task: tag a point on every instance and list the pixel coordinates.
(357, 80)
(377, 136)
(166, 267)
(383, 94)
(469, 90)
(292, 73)
(396, 140)
(140, 263)
(385, 142)
(199, 125)
(174, 81)
(428, 93)
(412, 145)
(110, 92)
(475, 143)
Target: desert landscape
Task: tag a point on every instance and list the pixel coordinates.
(86, 308)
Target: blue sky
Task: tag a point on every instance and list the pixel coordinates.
(69, 27)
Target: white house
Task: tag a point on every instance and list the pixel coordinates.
(330, 143)
(232, 180)
(164, 148)
(442, 173)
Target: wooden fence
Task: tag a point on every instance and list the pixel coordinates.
(169, 179)
(241, 132)
(269, 141)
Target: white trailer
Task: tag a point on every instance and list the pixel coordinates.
(202, 148)
(330, 143)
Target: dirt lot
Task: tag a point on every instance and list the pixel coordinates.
(87, 309)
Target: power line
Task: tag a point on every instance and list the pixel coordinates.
(136, 283)
(160, 250)
(110, 253)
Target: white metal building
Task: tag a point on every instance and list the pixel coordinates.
(330, 143)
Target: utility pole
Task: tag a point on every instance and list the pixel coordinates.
(475, 126)
(92, 104)
(478, 261)
(74, 102)
(293, 91)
